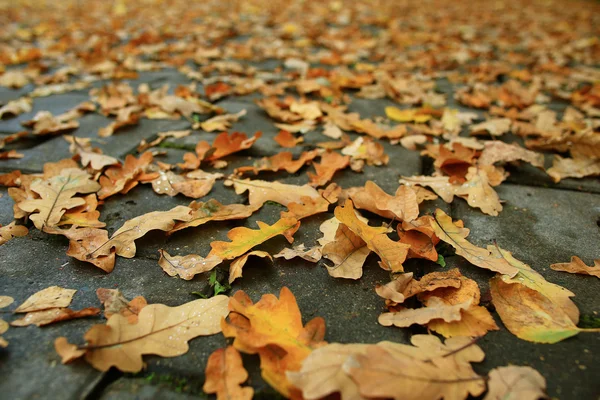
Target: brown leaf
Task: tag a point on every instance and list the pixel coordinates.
(224, 375)
(56, 196)
(573, 168)
(576, 266)
(53, 315)
(51, 297)
(67, 351)
(225, 144)
(515, 383)
(212, 210)
(220, 122)
(260, 192)
(16, 107)
(348, 253)
(115, 303)
(187, 266)
(121, 179)
(283, 161)
(11, 231)
(287, 140)
(496, 151)
(436, 309)
(82, 245)
(331, 162)
(160, 330)
(311, 255)
(421, 238)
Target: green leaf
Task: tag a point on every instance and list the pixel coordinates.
(441, 260)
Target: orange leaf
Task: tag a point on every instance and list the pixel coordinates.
(224, 374)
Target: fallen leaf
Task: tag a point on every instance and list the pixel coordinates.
(235, 268)
(331, 162)
(85, 215)
(57, 196)
(16, 107)
(287, 140)
(123, 239)
(455, 236)
(260, 192)
(402, 206)
(121, 179)
(115, 303)
(429, 371)
(243, 239)
(515, 383)
(82, 245)
(392, 253)
(11, 231)
(225, 144)
(280, 161)
(5, 301)
(493, 127)
(573, 168)
(51, 316)
(67, 351)
(51, 297)
(212, 210)
(220, 122)
(160, 330)
(273, 329)
(224, 375)
(187, 266)
(530, 315)
(11, 154)
(348, 253)
(436, 309)
(311, 255)
(407, 115)
(576, 266)
(496, 151)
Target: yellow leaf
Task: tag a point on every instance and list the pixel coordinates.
(51, 297)
(235, 269)
(408, 115)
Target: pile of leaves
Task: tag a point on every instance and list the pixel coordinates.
(500, 117)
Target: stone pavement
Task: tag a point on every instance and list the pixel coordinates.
(542, 223)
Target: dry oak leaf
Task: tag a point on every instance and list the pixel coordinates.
(530, 315)
(225, 144)
(392, 291)
(475, 320)
(56, 196)
(115, 303)
(123, 240)
(496, 151)
(515, 383)
(403, 205)
(533, 280)
(576, 266)
(194, 184)
(579, 167)
(313, 254)
(123, 178)
(392, 253)
(5, 301)
(348, 253)
(331, 162)
(365, 149)
(225, 373)
(186, 266)
(44, 123)
(260, 192)
(51, 297)
(436, 309)
(287, 140)
(280, 161)
(160, 330)
(244, 239)
(85, 215)
(235, 268)
(431, 370)
(16, 107)
(53, 315)
(212, 210)
(455, 236)
(273, 329)
(67, 351)
(11, 231)
(220, 122)
(82, 245)
(454, 161)
(407, 115)
(322, 372)
(421, 238)
(493, 127)
(308, 206)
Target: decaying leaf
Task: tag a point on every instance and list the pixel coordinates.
(244, 239)
(187, 266)
(455, 236)
(160, 330)
(51, 297)
(115, 303)
(273, 329)
(515, 383)
(11, 231)
(392, 253)
(57, 196)
(577, 266)
(53, 315)
(224, 375)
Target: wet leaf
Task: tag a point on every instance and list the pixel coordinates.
(187, 266)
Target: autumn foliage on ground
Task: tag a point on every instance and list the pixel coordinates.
(327, 57)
